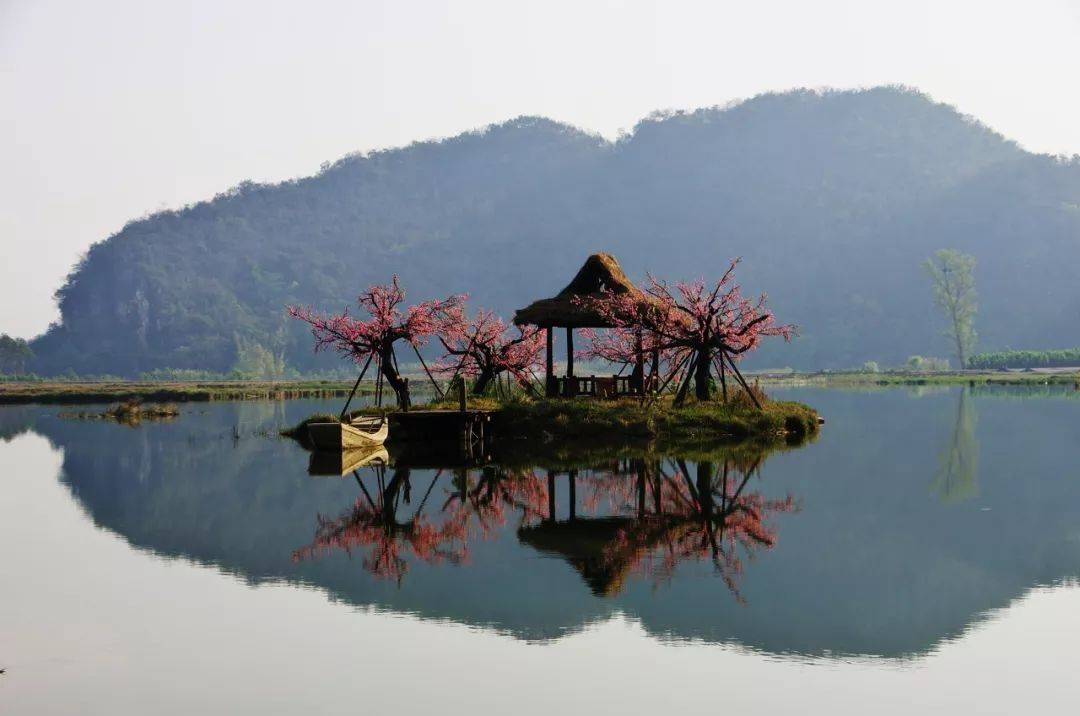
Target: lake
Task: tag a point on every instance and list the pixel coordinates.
(920, 556)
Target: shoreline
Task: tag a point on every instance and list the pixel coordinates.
(83, 392)
(75, 393)
(1065, 377)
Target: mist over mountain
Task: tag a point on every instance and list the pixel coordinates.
(832, 199)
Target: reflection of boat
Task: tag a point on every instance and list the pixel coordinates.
(345, 461)
(360, 432)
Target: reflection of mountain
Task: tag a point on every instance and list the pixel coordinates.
(872, 564)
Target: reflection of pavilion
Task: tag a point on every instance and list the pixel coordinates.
(674, 518)
(637, 515)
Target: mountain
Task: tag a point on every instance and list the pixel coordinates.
(833, 199)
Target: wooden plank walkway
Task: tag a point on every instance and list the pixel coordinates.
(433, 425)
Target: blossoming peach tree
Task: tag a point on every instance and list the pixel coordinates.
(698, 330)
(485, 347)
(388, 321)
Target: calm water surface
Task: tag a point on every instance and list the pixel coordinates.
(920, 556)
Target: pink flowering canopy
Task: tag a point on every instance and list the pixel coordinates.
(690, 316)
(485, 347)
(388, 321)
(693, 326)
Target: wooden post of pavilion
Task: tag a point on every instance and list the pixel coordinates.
(550, 386)
(571, 384)
(639, 365)
(601, 274)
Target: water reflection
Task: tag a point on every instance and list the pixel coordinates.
(641, 515)
(837, 548)
(958, 465)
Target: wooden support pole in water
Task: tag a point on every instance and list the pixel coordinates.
(463, 400)
(640, 469)
(572, 498)
(551, 495)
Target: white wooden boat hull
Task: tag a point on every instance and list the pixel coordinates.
(341, 436)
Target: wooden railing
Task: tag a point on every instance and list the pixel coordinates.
(615, 386)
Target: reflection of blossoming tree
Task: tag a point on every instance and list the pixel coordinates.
(373, 523)
(710, 517)
(647, 519)
(492, 494)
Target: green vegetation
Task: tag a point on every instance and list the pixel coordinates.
(628, 421)
(833, 200)
(15, 355)
(953, 277)
(130, 412)
(926, 364)
(1002, 360)
(898, 377)
(584, 420)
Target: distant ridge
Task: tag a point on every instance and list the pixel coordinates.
(832, 198)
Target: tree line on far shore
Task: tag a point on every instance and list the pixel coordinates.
(1000, 360)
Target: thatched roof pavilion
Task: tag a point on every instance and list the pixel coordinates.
(601, 272)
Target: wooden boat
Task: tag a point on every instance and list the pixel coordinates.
(346, 461)
(361, 432)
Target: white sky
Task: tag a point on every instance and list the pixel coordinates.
(113, 109)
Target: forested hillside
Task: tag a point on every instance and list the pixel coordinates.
(832, 199)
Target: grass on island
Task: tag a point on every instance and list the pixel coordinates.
(586, 419)
(629, 419)
(130, 412)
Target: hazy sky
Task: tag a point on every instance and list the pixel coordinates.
(111, 110)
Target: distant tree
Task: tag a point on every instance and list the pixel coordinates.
(15, 355)
(927, 364)
(485, 348)
(389, 322)
(254, 360)
(704, 329)
(953, 277)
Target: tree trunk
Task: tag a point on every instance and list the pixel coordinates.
(389, 371)
(702, 388)
(482, 382)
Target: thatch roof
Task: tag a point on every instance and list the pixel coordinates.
(582, 543)
(600, 272)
